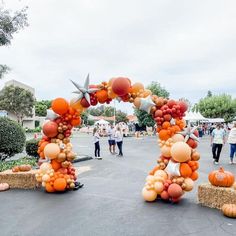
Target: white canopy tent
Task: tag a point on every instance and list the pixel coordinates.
(195, 116)
(101, 122)
(216, 120)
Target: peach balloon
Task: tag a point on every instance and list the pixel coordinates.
(159, 187)
(150, 178)
(137, 87)
(177, 138)
(146, 93)
(180, 152)
(161, 173)
(149, 195)
(51, 150)
(76, 105)
(165, 151)
(189, 184)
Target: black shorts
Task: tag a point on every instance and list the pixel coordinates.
(111, 142)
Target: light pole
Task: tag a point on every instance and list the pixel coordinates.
(114, 112)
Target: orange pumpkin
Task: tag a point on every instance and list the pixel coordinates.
(102, 95)
(185, 170)
(60, 106)
(60, 184)
(221, 178)
(229, 210)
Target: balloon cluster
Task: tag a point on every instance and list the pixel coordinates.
(177, 165)
(58, 173)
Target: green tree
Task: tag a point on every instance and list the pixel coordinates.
(209, 93)
(10, 23)
(18, 101)
(223, 106)
(145, 119)
(121, 117)
(41, 107)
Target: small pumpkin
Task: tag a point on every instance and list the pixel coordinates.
(4, 186)
(221, 178)
(25, 167)
(234, 185)
(15, 169)
(229, 210)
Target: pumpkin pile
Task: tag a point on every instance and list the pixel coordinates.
(56, 172)
(21, 168)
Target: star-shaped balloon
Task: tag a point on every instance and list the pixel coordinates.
(146, 104)
(84, 91)
(189, 133)
(51, 115)
(173, 168)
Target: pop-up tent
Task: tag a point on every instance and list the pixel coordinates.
(195, 116)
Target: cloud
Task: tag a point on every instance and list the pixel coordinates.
(187, 46)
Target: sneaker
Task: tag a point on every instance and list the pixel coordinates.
(216, 162)
(99, 158)
(231, 162)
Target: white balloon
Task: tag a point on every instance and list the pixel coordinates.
(51, 115)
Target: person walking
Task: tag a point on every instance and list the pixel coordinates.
(232, 143)
(217, 141)
(96, 137)
(111, 139)
(119, 140)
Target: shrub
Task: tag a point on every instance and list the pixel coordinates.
(12, 138)
(32, 147)
(6, 165)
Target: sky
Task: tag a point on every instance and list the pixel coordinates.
(187, 46)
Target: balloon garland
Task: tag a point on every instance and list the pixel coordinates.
(177, 165)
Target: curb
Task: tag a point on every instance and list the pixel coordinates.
(82, 158)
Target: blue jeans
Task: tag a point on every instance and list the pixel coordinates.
(232, 150)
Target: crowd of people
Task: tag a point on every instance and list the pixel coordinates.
(115, 138)
(220, 135)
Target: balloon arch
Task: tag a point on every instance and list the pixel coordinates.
(177, 165)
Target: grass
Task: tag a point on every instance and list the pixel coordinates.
(5, 165)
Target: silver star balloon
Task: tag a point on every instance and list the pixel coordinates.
(189, 133)
(146, 104)
(173, 168)
(84, 91)
(51, 115)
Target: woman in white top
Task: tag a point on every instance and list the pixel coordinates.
(96, 138)
(119, 140)
(232, 143)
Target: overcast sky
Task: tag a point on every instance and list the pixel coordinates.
(187, 46)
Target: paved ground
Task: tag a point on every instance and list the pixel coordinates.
(111, 203)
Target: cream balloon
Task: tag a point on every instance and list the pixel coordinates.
(189, 184)
(165, 151)
(150, 178)
(161, 173)
(159, 187)
(149, 195)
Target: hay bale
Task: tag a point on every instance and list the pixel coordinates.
(215, 197)
(22, 180)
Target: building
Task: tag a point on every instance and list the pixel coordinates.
(28, 122)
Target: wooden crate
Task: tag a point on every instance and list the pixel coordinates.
(22, 180)
(215, 197)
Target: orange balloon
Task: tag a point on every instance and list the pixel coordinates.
(102, 96)
(163, 134)
(60, 106)
(60, 184)
(49, 188)
(51, 150)
(55, 165)
(137, 87)
(146, 93)
(76, 122)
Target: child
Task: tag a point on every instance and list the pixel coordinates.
(96, 138)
